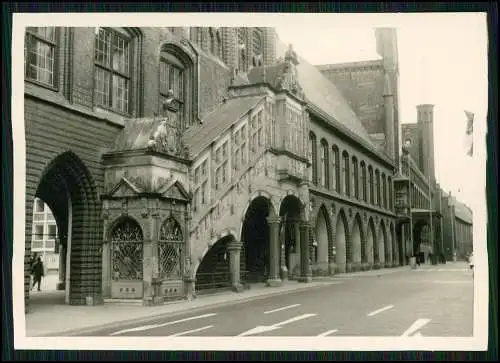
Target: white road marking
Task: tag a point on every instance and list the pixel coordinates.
(326, 333)
(147, 327)
(264, 328)
(281, 309)
(418, 324)
(378, 311)
(192, 331)
(418, 334)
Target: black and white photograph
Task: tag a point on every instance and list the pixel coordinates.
(250, 181)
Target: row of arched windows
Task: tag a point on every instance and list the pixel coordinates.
(346, 175)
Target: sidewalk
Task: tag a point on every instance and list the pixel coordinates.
(50, 316)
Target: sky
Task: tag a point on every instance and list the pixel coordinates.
(442, 61)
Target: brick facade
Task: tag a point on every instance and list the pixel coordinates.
(68, 135)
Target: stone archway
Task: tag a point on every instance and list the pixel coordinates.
(323, 241)
(341, 237)
(214, 272)
(256, 240)
(67, 187)
(371, 243)
(356, 243)
(394, 244)
(382, 244)
(291, 216)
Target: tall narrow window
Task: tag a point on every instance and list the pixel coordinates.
(218, 39)
(355, 177)
(377, 187)
(257, 47)
(175, 71)
(221, 165)
(242, 50)
(112, 69)
(239, 148)
(314, 158)
(336, 168)
(345, 173)
(39, 55)
(212, 41)
(325, 182)
(363, 182)
(384, 191)
(200, 185)
(389, 182)
(371, 186)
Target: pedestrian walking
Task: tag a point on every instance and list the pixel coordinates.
(33, 258)
(38, 273)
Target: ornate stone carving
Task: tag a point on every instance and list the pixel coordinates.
(144, 212)
(333, 209)
(167, 136)
(349, 212)
(105, 213)
(289, 79)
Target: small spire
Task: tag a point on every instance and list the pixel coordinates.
(291, 56)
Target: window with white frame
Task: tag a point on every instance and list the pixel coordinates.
(40, 55)
(221, 165)
(239, 145)
(112, 69)
(200, 185)
(257, 131)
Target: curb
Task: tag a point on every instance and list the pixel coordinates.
(182, 310)
(320, 282)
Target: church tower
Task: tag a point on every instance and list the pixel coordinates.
(387, 48)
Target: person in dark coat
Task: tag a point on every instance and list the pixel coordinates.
(38, 273)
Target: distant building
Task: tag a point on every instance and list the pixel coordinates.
(457, 228)
(45, 235)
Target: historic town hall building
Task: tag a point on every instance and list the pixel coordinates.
(181, 160)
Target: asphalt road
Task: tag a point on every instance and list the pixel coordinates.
(429, 302)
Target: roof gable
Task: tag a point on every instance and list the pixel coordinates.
(124, 188)
(175, 190)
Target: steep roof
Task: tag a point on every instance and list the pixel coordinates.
(323, 94)
(216, 122)
(462, 211)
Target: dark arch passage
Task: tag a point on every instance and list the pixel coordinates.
(67, 187)
(255, 237)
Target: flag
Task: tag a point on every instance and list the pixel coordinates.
(469, 132)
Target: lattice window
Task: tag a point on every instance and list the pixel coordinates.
(112, 69)
(170, 250)
(389, 181)
(39, 55)
(127, 251)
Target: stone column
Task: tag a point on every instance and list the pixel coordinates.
(283, 268)
(62, 267)
(305, 268)
(234, 249)
(274, 252)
